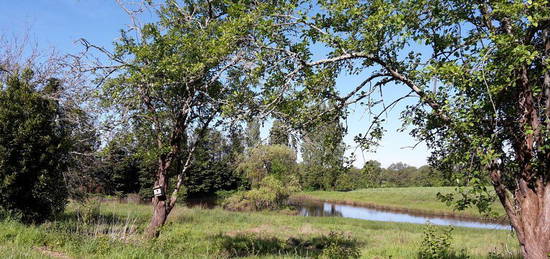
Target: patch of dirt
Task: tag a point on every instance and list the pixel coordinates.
(51, 253)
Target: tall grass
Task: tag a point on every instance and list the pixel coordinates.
(115, 231)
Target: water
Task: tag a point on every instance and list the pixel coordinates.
(325, 209)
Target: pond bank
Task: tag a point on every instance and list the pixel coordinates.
(310, 208)
(303, 197)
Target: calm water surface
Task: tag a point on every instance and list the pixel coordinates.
(325, 209)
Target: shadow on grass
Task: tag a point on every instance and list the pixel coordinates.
(334, 245)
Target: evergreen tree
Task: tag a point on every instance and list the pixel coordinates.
(34, 148)
(279, 135)
(213, 167)
(253, 138)
(323, 156)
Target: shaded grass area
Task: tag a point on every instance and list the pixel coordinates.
(421, 199)
(199, 233)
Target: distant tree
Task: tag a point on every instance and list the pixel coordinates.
(34, 149)
(81, 175)
(253, 138)
(323, 158)
(400, 174)
(372, 174)
(237, 142)
(213, 168)
(275, 160)
(429, 176)
(279, 135)
(121, 166)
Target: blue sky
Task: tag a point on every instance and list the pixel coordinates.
(59, 23)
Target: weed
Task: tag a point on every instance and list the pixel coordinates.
(437, 244)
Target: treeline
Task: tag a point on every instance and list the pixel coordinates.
(238, 159)
(372, 175)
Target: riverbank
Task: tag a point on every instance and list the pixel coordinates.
(196, 233)
(412, 200)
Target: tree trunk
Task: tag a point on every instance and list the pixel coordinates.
(160, 205)
(530, 218)
(160, 213)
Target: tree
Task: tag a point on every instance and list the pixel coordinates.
(480, 73)
(372, 174)
(253, 138)
(276, 160)
(214, 166)
(34, 149)
(175, 78)
(279, 134)
(323, 156)
(120, 166)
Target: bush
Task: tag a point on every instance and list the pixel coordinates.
(272, 194)
(88, 210)
(437, 244)
(33, 150)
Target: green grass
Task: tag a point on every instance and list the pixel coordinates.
(196, 233)
(422, 199)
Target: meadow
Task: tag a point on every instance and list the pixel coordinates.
(114, 230)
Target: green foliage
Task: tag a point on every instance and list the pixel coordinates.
(279, 135)
(89, 210)
(262, 161)
(396, 175)
(119, 168)
(479, 71)
(335, 245)
(34, 149)
(323, 166)
(437, 244)
(272, 194)
(214, 165)
(253, 138)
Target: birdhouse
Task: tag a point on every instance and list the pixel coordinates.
(158, 191)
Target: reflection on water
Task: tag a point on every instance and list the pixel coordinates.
(338, 210)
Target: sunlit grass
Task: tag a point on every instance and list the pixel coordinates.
(191, 233)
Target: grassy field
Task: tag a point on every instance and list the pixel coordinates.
(422, 199)
(200, 233)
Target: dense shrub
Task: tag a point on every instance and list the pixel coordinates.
(271, 194)
(34, 150)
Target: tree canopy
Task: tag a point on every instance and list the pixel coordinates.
(34, 149)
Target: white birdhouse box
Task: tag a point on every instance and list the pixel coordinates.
(158, 191)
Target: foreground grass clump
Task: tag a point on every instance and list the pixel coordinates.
(334, 245)
(422, 199)
(116, 232)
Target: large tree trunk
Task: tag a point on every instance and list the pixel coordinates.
(160, 213)
(160, 205)
(533, 225)
(529, 213)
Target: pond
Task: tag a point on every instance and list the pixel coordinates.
(326, 209)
